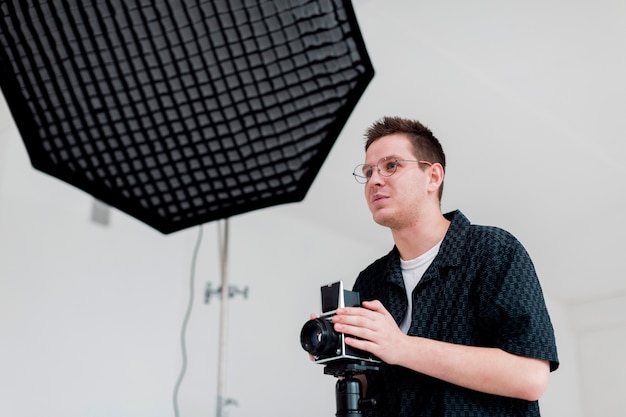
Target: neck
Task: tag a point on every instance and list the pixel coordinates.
(420, 236)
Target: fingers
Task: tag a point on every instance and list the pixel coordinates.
(374, 305)
(368, 309)
(355, 321)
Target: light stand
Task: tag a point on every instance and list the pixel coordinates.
(225, 292)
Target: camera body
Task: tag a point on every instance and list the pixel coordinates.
(319, 338)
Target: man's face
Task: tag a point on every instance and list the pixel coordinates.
(395, 201)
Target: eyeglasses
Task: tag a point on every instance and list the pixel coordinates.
(386, 167)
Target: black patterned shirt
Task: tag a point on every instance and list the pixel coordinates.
(480, 290)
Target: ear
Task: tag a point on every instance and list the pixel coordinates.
(436, 176)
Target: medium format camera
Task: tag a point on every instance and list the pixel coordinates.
(319, 338)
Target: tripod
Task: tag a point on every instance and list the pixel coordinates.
(348, 387)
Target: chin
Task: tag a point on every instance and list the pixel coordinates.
(382, 220)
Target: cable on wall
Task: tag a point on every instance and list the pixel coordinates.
(183, 331)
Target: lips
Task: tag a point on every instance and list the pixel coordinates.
(378, 197)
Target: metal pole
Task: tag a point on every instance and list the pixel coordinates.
(223, 338)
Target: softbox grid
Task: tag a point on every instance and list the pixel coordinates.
(182, 112)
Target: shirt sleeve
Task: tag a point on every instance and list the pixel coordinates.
(512, 305)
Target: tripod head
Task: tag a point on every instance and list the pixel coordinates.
(348, 387)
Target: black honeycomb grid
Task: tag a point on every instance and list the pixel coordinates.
(182, 112)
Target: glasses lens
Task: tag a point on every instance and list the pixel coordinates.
(388, 168)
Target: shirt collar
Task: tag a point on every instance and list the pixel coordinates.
(450, 252)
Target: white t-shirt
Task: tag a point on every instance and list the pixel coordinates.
(412, 272)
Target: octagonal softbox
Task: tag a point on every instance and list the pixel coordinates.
(181, 112)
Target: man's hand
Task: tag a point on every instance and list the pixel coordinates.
(373, 328)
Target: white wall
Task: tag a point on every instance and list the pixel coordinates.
(600, 328)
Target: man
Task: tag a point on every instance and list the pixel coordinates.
(455, 311)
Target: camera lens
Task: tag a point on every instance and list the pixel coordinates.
(318, 337)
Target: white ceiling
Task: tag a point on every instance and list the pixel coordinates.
(529, 101)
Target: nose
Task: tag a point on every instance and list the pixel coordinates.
(376, 178)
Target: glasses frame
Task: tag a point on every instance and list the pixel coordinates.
(361, 179)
